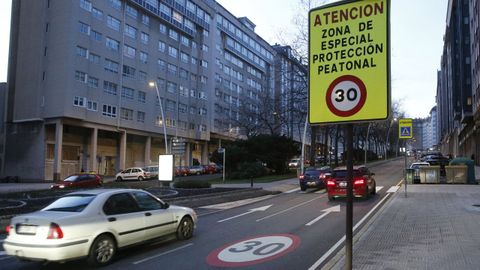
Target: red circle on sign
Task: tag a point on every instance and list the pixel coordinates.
(357, 107)
(214, 257)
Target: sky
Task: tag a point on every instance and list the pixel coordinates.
(417, 29)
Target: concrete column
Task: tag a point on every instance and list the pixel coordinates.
(204, 154)
(93, 150)
(148, 147)
(57, 159)
(123, 150)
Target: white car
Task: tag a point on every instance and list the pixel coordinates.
(295, 162)
(94, 224)
(135, 173)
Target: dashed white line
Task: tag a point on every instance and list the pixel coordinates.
(292, 190)
(334, 247)
(379, 188)
(393, 189)
(288, 209)
(161, 254)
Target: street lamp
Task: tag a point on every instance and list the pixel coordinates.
(388, 134)
(154, 84)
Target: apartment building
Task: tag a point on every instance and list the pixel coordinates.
(80, 74)
(474, 8)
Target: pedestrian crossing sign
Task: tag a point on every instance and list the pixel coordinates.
(405, 129)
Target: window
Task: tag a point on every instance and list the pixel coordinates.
(203, 79)
(185, 41)
(173, 34)
(201, 95)
(94, 58)
(130, 31)
(204, 63)
(113, 23)
(126, 114)
(128, 93)
(161, 46)
(202, 111)
(109, 110)
(140, 116)
(147, 202)
(92, 105)
(84, 28)
(183, 73)
(109, 87)
(85, 4)
(141, 96)
(92, 82)
(204, 48)
(112, 44)
(145, 19)
(173, 52)
(131, 11)
(96, 35)
(162, 28)
(202, 128)
(119, 204)
(143, 57)
(193, 93)
(142, 75)
(82, 52)
(144, 37)
(129, 51)
(205, 33)
(116, 4)
(170, 105)
(97, 14)
(128, 71)
(111, 66)
(171, 87)
(183, 91)
(184, 57)
(172, 69)
(182, 108)
(177, 17)
(161, 64)
(80, 76)
(79, 101)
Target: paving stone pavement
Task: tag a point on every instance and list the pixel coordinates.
(435, 227)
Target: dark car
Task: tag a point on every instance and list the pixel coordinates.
(80, 180)
(210, 168)
(437, 160)
(364, 184)
(314, 177)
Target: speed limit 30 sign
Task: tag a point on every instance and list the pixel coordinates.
(349, 62)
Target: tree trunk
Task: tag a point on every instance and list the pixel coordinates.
(325, 145)
(336, 145)
(313, 145)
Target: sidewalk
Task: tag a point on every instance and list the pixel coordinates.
(435, 227)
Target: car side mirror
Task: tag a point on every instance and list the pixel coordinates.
(166, 205)
(372, 173)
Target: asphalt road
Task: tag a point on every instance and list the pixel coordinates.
(297, 230)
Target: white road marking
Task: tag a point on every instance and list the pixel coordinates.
(263, 208)
(393, 189)
(230, 205)
(164, 253)
(321, 191)
(288, 209)
(327, 211)
(292, 190)
(379, 188)
(340, 242)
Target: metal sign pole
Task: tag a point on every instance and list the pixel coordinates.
(405, 171)
(349, 218)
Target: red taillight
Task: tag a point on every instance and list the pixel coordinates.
(331, 183)
(55, 232)
(301, 177)
(359, 181)
(7, 229)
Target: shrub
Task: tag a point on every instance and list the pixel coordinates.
(248, 170)
(192, 184)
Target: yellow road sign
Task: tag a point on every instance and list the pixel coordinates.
(349, 48)
(405, 128)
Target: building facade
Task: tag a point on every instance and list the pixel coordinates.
(474, 8)
(79, 74)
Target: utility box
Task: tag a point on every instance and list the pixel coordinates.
(409, 174)
(456, 174)
(430, 175)
(470, 168)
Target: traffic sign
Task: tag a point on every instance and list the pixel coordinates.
(349, 76)
(405, 128)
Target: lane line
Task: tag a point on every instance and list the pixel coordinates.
(378, 188)
(164, 253)
(317, 219)
(340, 242)
(399, 183)
(230, 205)
(288, 209)
(292, 190)
(393, 189)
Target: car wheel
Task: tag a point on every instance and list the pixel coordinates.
(119, 179)
(303, 188)
(140, 178)
(367, 194)
(374, 191)
(185, 229)
(102, 251)
(331, 198)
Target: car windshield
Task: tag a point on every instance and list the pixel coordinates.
(70, 203)
(71, 178)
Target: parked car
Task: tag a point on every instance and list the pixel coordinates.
(79, 180)
(182, 171)
(314, 177)
(210, 169)
(437, 160)
(364, 184)
(416, 173)
(294, 163)
(153, 171)
(198, 169)
(135, 173)
(94, 224)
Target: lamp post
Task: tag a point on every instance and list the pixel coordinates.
(154, 84)
(388, 135)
